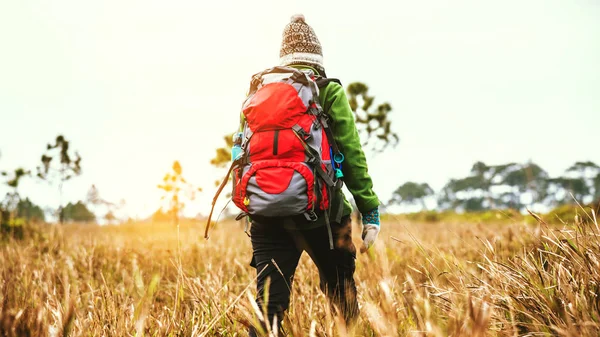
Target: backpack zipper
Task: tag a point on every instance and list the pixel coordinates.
(275, 142)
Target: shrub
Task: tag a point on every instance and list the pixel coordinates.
(11, 226)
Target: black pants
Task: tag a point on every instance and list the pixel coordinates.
(277, 250)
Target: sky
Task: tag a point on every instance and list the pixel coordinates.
(135, 85)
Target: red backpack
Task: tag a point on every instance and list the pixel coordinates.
(286, 166)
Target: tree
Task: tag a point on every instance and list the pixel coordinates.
(12, 199)
(110, 217)
(29, 211)
(446, 198)
(561, 188)
(93, 196)
(486, 178)
(13, 180)
(581, 180)
(173, 185)
(371, 123)
(411, 193)
(223, 154)
(585, 169)
(596, 182)
(223, 157)
(59, 165)
(492, 186)
(527, 178)
(102, 206)
(587, 172)
(463, 194)
(474, 204)
(77, 212)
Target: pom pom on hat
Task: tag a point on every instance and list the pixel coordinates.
(298, 18)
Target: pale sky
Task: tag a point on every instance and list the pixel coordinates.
(135, 85)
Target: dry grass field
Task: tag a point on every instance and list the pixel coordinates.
(504, 278)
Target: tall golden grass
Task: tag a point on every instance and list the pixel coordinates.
(441, 279)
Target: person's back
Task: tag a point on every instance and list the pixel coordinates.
(279, 240)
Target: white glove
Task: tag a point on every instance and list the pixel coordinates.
(370, 228)
(369, 235)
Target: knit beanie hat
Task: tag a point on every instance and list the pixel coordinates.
(300, 45)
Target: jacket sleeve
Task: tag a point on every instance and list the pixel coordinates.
(354, 167)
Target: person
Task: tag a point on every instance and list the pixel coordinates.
(278, 242)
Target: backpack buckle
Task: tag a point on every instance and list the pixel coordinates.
(311, 160)
(316, 124)
(300, 131)
(241, 216)
(305, 135)
(311, 216)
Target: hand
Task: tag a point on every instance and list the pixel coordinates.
(369, 235)
(370, 228)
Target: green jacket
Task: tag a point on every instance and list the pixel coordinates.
(356, 176)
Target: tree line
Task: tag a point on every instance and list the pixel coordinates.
(506, 186)
(58, 165)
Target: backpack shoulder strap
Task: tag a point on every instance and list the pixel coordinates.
(322, 82)
(325, 118)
